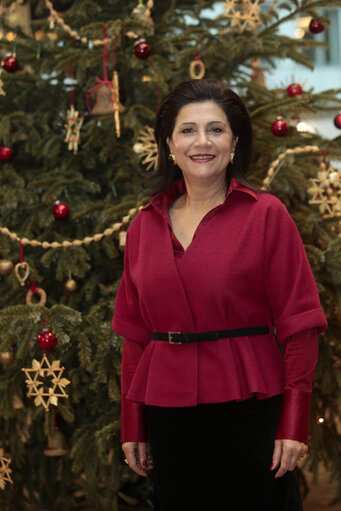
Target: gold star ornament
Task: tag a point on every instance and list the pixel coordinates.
(243, 14)
(326, 192)
(146, 147)
(45, 394)
(5, 470)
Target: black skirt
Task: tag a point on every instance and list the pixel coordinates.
(217, 456)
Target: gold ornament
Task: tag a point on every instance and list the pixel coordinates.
(244, 14)
(71, 285)
(7, 357)
(147, 148)
(56, 444)
(142, 11)
(24, 268)
(104, 103)
(37, 387)
(122, 236)
(17, 402)
(116, 103)
(326, 192)
(257, 75)
(2, 90)
(73, 126)
(5, 470)
(197, 68)
(39, 35)
(42, 299)
(5, 267)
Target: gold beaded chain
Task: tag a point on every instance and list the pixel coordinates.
(73, 33)
(277, 163)
(75, 243)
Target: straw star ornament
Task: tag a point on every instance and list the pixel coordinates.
(146, 147)
(244, 14)
(46, 395)
(5, 470)
(326, 192)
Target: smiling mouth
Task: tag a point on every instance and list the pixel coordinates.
(202, 157)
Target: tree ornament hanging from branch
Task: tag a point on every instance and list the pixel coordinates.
(73, 127)
(143, 11)
(243, 14)
(104, 97)
(326, 191)
(197, 68)
(146, 147)
(5, 470)
(44, 395)
(2, 90)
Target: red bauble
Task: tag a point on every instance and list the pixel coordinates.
(279, 128)
(294, 89)
(11, 64)
(61, 211)
(337, 121)
(316, 27)
(46, 340)
(5, 153)
(142, 49)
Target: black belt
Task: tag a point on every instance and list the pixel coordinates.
(185, 337)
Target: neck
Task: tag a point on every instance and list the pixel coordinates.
(200, 195)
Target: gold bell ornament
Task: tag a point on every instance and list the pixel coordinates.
(56, 444)
(6, 267)
(7, 357)
(104, 103)
(71, 285)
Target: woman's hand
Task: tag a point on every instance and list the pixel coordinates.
(137, 457)
(286, 454)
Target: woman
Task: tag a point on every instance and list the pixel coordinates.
(212, 267)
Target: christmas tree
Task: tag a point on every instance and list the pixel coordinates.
(80, 83)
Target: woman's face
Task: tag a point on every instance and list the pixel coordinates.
(202, 141)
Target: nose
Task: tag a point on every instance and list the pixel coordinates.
(202, 137)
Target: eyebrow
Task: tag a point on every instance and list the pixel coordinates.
(193, 123)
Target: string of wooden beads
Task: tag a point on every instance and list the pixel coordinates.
(73, 33)
(75, 243)
(277, 163)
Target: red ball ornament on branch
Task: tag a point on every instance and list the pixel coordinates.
(316, 27)
(46, 340)
(337, 121)
(61, 211)
(279, 128)
(10, 64)
(294, 89)
(142, 49)
(5, 153)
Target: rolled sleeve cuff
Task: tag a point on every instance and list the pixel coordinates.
(130, 330)
(295, 415)
(133, 421)
(314, 318)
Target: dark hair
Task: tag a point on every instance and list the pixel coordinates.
(193, 91)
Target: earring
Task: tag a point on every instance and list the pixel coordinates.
(172, 157)
(231, 157)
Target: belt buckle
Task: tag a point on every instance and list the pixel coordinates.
(170, 338)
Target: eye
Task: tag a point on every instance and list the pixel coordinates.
(216, 129)
(187, 130)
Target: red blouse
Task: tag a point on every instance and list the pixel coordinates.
(246, 266)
